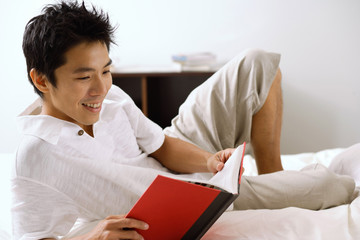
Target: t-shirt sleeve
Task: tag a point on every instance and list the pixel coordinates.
(149, 135)
(38, 209)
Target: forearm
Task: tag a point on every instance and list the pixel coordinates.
(181, 156)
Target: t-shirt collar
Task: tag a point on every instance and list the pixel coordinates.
(45, 127)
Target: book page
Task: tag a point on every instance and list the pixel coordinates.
(227, 179)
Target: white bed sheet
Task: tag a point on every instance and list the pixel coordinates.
(338, 223)
(5, 199)
(342, 222)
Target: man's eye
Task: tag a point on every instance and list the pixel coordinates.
(83, 78)
(107, 71)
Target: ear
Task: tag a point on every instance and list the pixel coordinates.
(40, 80)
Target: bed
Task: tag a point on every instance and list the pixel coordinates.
(341, 222)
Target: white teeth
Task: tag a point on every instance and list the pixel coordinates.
(92, 105)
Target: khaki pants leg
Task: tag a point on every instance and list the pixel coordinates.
(315, 187)
(218, 114)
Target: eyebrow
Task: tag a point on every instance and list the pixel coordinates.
(87, 69)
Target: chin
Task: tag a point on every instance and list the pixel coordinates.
(89, 122)
(93, 121)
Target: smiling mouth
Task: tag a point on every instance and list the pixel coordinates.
(92, 105)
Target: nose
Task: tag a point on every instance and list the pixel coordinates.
(99, 86)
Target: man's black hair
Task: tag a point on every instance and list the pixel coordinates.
(60, 27)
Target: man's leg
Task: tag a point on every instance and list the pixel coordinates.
(314, 187)
(266, 130)
(236, 104)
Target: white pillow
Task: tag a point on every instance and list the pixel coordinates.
(348, 163)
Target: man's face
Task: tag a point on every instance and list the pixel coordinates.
(81, 85)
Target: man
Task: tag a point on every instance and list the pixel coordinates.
(78, 155)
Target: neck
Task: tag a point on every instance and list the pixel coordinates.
(89, 130)
(45, 111)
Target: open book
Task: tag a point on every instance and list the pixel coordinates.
(185, 208)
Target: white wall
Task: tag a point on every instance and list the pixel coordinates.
(319, 42)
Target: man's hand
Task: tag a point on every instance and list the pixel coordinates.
(216, 162)
(117, 227)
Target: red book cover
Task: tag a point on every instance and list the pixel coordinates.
(178, 209)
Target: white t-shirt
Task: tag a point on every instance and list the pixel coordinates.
(62, 175)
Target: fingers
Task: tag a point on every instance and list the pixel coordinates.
(219, 166)
(218, 160)
(129, 223)
(119, 227)
(224, 155)
(121, 234)
(128, 234)
(120, 222)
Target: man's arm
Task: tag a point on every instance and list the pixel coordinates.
(183, 157)
(114, 227)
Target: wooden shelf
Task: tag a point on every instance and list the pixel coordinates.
(159, 94)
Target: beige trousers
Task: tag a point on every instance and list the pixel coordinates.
(218, 115)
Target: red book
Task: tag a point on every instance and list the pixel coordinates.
(184, 208)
